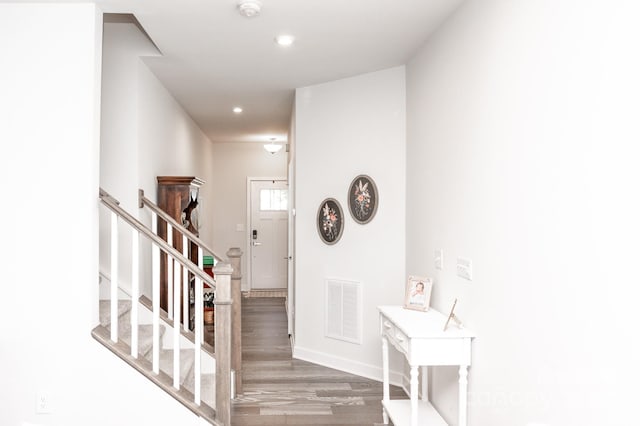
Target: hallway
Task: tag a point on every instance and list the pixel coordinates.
(279, 390)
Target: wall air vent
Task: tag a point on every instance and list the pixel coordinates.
(343, 315)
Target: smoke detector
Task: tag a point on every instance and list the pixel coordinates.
(249, 8)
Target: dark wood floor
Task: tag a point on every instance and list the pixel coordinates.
(280, 390)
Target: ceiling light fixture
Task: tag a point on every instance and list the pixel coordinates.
(272, 147)
(249, 8)
(237, 110)
(285, 40)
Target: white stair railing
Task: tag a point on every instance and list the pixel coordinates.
(234, 257)
(180, 264)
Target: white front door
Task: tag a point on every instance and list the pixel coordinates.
(268, 234)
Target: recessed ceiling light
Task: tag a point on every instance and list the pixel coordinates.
(285, 40)
(237, 110)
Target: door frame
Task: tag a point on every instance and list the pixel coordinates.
(249, 281)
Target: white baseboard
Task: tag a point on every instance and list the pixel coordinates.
(372, 372)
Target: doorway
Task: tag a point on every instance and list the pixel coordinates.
(268, 230)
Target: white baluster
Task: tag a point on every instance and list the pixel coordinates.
(186, 297)
(176, 327)
(135, 290)
(170, 281)
(155, 294)
(114, 277)
(198, 338)
(199, 302)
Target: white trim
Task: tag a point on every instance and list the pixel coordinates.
(248, 282)
(368, 371)
(291, 252)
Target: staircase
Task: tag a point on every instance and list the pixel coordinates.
(193, 374)
(143, 363)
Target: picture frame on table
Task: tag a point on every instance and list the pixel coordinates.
(418, 293)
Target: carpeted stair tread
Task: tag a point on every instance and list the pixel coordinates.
(145, 331)
(101, 334)
(124, 307)
(145, 336)
(207, 390)
(166, 362)
(145, 348)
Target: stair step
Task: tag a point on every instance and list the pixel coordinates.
(145, 346)
(124, 306)
(190, 335)
(166, 362)
(207, 389)
(142, 365)
(145, 336)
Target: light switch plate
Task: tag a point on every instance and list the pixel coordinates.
(464, 268)
(439, 259)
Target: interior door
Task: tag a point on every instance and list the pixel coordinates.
(268, 234)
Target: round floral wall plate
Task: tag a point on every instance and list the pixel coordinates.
(363, 199)
(330, 220)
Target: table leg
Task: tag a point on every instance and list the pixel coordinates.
(385, 378)
(462, 396)
(414, 395)
(425, 383)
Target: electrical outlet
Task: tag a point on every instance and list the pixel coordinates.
(464, 268)
(439, 259)
(43, 403)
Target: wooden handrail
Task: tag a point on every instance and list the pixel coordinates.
(112, 204)
(144, 201)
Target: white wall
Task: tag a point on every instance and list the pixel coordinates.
(232, 163)
(522, 125)
(49, 176)
(145, 134)
(346, 128)
(123, 44)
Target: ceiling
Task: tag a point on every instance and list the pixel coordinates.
(214, 59)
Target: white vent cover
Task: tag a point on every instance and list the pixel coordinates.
(343, 315)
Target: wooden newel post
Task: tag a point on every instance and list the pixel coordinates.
(234, 254)
(222, 272)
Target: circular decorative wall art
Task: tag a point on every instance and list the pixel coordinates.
(363, 199)
(330, 221)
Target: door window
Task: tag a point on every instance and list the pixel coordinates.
(274, 199)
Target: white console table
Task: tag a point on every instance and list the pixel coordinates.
(420, 337)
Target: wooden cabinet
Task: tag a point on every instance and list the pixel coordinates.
(178, 196)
